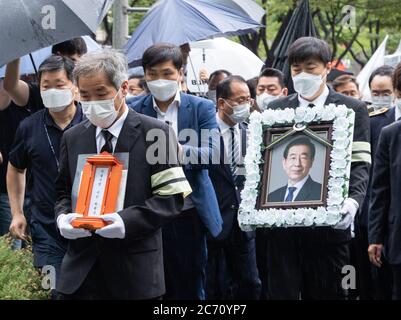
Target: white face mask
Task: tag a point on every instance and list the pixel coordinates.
(56, 100)
(264, 99)
(240, 112)
(101, 113)
(306, 84)
(211, 95)
(379, 102)
(162, 89)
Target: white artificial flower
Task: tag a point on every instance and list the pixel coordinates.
(308, 221)
(300, 114)
(319, 112)
(289, 218)
(341, 111)
(270, 218)
(320, 216)
(310, 115)
(299, 216)
(334, 199)
(340, 134)
(341, 144)
(339, 164)
(269, 117)
(256, 116)
(279, 219)
(341, 124)
(338, 154)
(289, 114)
(336, 182)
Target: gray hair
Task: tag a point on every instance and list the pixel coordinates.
(112, 62)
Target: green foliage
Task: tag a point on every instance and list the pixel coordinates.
(19, 280)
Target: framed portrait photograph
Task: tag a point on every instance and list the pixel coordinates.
(297, 167)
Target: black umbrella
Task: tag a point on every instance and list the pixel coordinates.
(300, 25)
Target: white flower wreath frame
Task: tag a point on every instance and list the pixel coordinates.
(343, 120)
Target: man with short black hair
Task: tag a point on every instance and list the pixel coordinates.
(73, 49)
(184, 239)
(36, 149)
(347, 85)
(215, 78)
(270, 87)
(232, 271)
(308, 262)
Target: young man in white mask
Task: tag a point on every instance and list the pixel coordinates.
(184, 240)
(309, 261)
(270, 87)
(36, 149)
(122, 260)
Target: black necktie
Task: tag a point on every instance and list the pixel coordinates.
(108, 145)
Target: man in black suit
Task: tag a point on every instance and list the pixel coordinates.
(373, 282)
(124, 259)
(383, 223)
(232, 272)
(308, 262)
(298, 159)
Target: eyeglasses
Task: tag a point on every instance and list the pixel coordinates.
(242, 100)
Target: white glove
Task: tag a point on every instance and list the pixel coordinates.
(349, 210)
(67, 230)
(116, 228)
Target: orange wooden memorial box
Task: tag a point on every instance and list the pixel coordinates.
(109, 199)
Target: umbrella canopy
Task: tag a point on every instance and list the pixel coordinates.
(220, 53)
(26, 24)
(300, 25)
(26, 66)
(183, 21)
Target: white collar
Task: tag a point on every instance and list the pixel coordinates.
(224, 126)
(319, 101)
(176, 101)
(397, 113)
(115, 129)
(299, 184)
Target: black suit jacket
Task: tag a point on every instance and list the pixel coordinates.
(385, 204)
(228, 194)
(359, 169)
(133, 267)
(310, 191)
(377, 123)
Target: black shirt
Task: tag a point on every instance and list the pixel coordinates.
(10, 118)
(32, 150)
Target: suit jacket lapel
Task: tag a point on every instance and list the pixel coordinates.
(333, 97)
(304, 192)
(90, 146)
(129, 132)
(147, 108)
(184, 119)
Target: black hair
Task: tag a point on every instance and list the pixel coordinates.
(384, 71)
(306, 48)
(223, 89)
(252, 84)
(57, 63)
(70, 47)
(274, 73)
(304, 141)
(142, 82)
(342, 80)
(162, 52)
(219, 72)
(397, 77)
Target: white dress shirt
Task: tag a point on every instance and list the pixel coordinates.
(115, 130)
(397, 113)
(226, 134)
(171, 114)
(320, 101)
(298, 187)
